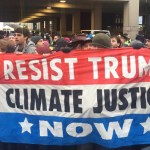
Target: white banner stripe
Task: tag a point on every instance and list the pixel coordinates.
(76, 100)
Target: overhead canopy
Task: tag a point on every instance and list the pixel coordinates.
(8, 28)
(16, 10)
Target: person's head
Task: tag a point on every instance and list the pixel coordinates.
(116, 42)
(140, 38)
(101, 40)
(86, 44)
(12, 39)
(123, 39)
(21, 35)
(57, 36)
(38, 40)
(3, 45)
(137, 44)
(147, 41)
(126, 35)
(60, 43)
(79, 42)
(6, 46)
(80, 45)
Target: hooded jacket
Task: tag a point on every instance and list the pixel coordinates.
(29, 48)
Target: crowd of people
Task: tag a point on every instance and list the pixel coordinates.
(21, 42)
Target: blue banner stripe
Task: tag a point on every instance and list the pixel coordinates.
(23, 128)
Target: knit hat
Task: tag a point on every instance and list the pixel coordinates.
(101, 40)
(137, 44)
(23, 31)
(36, 38)
(43, 50)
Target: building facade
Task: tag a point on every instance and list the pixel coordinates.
(118, 16)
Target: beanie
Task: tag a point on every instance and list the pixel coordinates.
(36, 38)
(137, 44)
(101, 40)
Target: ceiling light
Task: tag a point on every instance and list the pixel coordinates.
(39, 14)
(48, 7)
(62, 1)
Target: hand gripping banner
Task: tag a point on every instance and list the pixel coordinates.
(93, 96)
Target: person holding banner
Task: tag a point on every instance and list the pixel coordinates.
(41, 47)
(147, 41)
(116, 42)
(101, 40)
(98, 98)
(23, 44)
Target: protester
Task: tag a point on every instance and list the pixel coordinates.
(23, 44)
(80, 42)
(60, 43)
(140, 37)
(42, 47)
(3, 45)
(138, 43)
(116, 42)
(86, 44)
(12, 41)
(38, 40)
(101, 40)
(147, 41)
(123, 41)
(6, 46)
(12, 38)
(57, 36)
(127, 39)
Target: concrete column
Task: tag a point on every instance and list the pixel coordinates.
(54, 24)
(63, 24)
(96, 17)
(42, 26)
(130, 18)
(147, 23)
(76, 22)
(47, 26)
(148, 20)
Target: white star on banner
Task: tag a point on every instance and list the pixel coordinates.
(146, 125)
(26, 126)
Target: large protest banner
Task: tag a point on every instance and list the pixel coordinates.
(96, 96)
